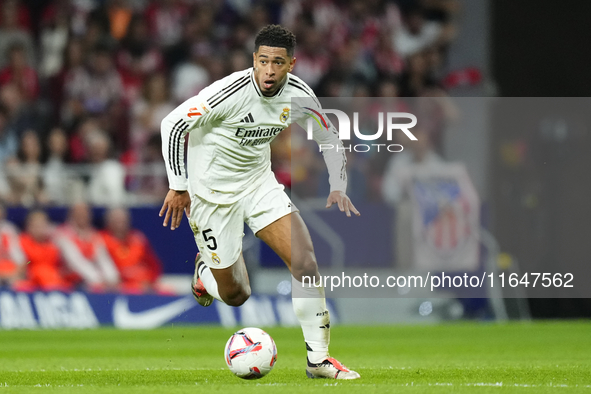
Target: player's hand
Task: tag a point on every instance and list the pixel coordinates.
(343, 201)
(175, 203)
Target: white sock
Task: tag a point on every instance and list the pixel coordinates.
(309, 305)
(209, 281)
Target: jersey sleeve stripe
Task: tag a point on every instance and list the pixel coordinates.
(295, 85)
(170, 145)
(293, 82)
(173, 159)
(228, 94)
(179, 141)
(232, 85)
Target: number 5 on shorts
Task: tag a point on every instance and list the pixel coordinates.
(209, 238)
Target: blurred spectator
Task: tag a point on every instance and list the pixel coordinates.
(72, 63)
(258, 17)
(21, 115)
(193, 59)
(389, 63)
(93, 89)
(165, 21)
(74, 56)
(77, 142)
(192, 76)
(323, 14)
(107, 179)
(352, 67)
(20, 73)
(132, 80)
(239, 38)
(18, 11)
(420, 155)
(138, 57)
(24, 174)
(416, 33)
(396, 190)
(14, 27)
(120, 15)
(416, 80)
(239, 60)
(44, 268)
(149, 182)
(54, 173)
(216, 67)
(138, 265)
(436, 111)
(313, 60)
(54, 37)
(148, 112)
(84, 251)
(8, 138)
(97, 29)
(12, 258)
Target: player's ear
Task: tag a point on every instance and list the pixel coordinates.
(254, 60)
(292, 63)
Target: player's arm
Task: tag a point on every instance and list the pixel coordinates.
(325, 135)
(193, 113)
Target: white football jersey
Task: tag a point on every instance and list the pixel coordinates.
(230, 125)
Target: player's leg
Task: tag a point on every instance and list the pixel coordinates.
(274, 219)
(231, 283)
(220, 271)
(290, 239)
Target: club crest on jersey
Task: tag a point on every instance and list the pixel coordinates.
(216, 259)
(284, 115)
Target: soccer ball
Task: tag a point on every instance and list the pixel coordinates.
(250, 353)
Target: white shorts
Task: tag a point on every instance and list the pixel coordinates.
(219, 229)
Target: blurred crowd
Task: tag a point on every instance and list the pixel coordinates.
(75, 255)
(85, 83)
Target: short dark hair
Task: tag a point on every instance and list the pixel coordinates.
(275, 36)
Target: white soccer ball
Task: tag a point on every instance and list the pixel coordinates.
(250, 353)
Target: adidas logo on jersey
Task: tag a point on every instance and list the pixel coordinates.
(248, 118)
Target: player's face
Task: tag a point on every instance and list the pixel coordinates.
(271, 65)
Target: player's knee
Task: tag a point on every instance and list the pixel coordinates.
(237, 297)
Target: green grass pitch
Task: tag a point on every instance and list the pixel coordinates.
(465, 357)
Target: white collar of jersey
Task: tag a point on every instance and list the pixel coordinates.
(258, 90)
